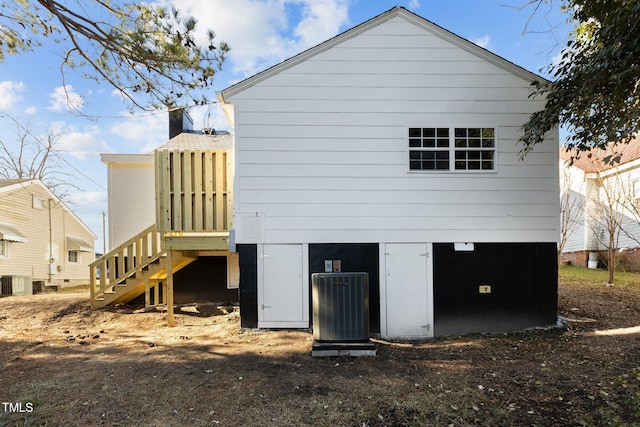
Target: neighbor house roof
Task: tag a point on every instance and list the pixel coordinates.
(8, 182)
(373, 22)
(594, 160)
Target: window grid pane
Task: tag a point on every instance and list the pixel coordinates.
(474, 160)
(429, 149)
(474, 138)
(471, 149)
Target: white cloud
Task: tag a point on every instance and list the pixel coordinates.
(88, 206)
(557, 59)
(482, 41)
(259, 31)
(88, 198)
(321, 20)
(10, 93)
(141, 134)
(144, 133)
(210, 116)
(64, 98)
(81, 144)
(413, 4)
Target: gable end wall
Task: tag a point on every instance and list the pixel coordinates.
(321, 148)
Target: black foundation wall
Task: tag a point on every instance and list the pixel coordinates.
(523, 284)
(354, 257)
(204, 280)
(248, 259)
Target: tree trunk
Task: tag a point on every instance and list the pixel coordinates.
(612, 259)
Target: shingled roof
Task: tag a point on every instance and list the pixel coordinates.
(593, 160)
(199, 141)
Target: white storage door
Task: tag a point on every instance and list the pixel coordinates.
(283, 297)
(409, 290)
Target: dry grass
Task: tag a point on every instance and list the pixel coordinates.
(124, 367)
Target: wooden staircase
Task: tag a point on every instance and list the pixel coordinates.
(194, 214)
(139, 265)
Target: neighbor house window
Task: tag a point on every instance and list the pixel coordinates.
(636, 190)
(72, 256)
(452, 149)
(37, 202)
(4, 249)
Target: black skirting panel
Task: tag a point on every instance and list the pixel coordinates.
(248, 259)
(354, 257)
(204, 280)
(520, 287)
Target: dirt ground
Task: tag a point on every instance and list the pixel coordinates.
(62, 364)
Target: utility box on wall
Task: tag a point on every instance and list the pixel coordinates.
(340, 307)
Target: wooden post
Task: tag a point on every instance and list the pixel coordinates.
(147, 294)
(170, 317)
(156, 292)
(92, 285)
(164, 292)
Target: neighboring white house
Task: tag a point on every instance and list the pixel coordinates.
(131, 195)
(596, 195)
(42, 242)
(393, 148)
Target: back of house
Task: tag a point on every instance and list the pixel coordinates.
(392, 149)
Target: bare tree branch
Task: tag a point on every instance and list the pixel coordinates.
(35, 157)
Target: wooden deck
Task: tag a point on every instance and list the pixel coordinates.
(194, 198)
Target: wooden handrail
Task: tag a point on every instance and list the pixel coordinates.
(124, 261)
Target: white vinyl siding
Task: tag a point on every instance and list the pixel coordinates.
(131, 196)
(33, 257)
(585, 235)
(4, 249)
(630, 235)
(322, 152)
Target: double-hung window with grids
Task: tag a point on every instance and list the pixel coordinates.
(452, 149)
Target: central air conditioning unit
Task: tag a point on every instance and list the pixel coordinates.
(340, 307)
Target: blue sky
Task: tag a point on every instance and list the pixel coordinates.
(261, 33)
